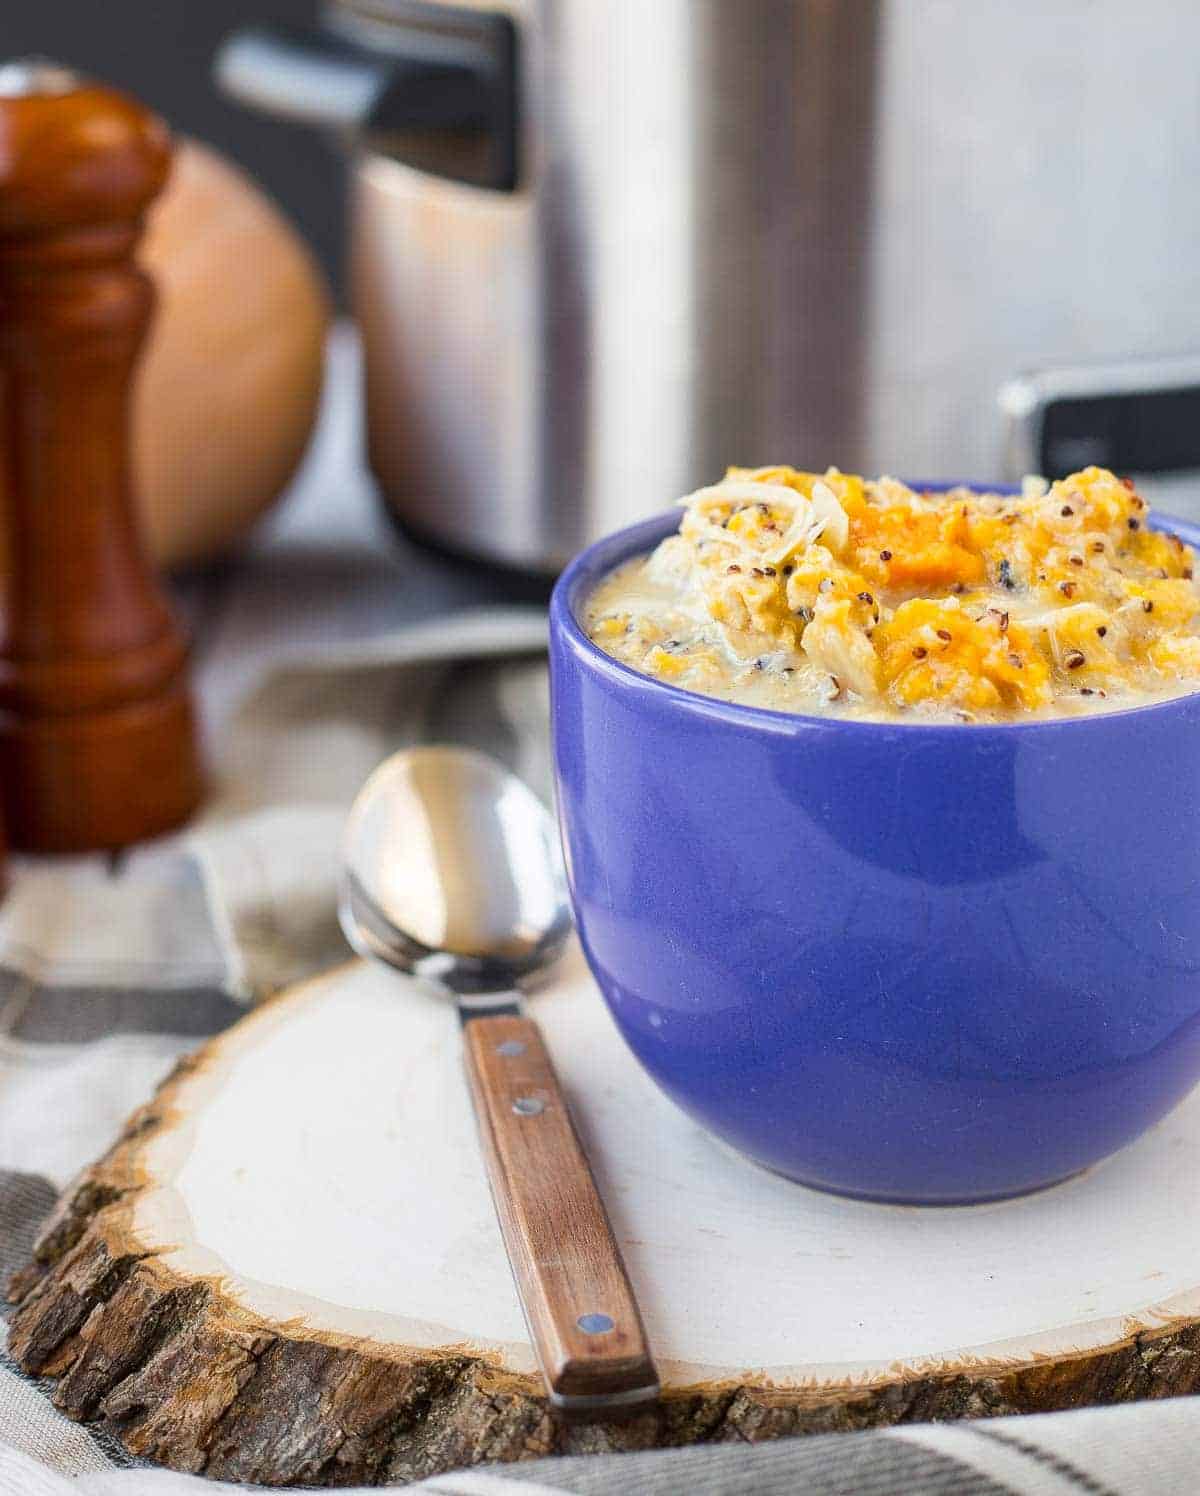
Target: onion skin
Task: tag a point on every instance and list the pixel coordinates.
(228, 388)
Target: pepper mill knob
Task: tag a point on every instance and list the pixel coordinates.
(97, 740)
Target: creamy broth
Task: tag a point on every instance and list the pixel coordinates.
(834, 595)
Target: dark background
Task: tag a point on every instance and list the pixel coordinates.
(162, 51)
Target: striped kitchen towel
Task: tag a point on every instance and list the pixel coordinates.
(113, 968)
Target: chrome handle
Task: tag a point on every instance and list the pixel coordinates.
(445, 103)
(300, 75)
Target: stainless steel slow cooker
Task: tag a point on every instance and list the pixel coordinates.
(601, 250)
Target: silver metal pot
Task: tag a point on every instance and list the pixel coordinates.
(601, 250)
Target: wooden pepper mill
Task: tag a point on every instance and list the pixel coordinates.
(97, 740)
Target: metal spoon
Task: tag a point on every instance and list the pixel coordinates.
(451, 873)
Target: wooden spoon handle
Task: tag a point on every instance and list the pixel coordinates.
(577, 1298)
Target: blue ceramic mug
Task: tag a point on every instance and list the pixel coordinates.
(914, 962)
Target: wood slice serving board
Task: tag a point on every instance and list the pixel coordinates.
(288, 1270)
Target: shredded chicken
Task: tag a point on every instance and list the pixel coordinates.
(832, 593)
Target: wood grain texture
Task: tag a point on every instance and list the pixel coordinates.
(345, 1098)
(564, 1258)
(97, 745)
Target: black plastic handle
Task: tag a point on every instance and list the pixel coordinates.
(445, 103)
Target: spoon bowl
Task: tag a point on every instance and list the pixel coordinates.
(452, 872)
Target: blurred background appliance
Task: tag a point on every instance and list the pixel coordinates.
(600, 250)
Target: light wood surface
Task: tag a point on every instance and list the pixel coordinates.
(289, 1269)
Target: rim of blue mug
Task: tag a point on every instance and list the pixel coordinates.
(598, 560)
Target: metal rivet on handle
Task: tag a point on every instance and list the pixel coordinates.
(510, 1048)
(528, 1106)
(594, 1324)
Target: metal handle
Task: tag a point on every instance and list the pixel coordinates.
(577, 1297)
(301, 75)
(461, 89)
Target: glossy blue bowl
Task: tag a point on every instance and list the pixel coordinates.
(919, 963)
